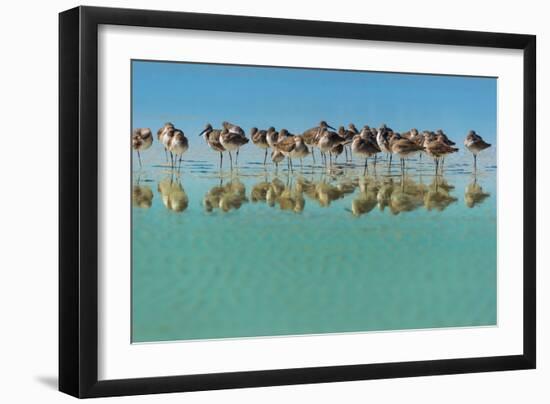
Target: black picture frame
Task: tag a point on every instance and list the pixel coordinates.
(78, 201)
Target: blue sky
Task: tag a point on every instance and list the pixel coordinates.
(190, 95)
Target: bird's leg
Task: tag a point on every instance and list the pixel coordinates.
(166, 154)
(330, 158)
(313, 154)
(221, 161)
(139, 158)
(389, 164)
(375, 156)
(265, 157)
(475, 162)
(346, 153)
(230, 160)
(291, 166)
(365, 170)
(237, 157)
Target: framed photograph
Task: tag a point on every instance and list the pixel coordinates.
(252, 201)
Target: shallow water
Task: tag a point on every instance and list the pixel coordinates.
(265, 252)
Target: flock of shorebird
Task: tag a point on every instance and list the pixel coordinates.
(365, 143)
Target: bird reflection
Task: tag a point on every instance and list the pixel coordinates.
(438, 196)
(142, 196)
(366, 199)
(226, 197)
(384, 193)
(288, 197)
(405, 199)
(474, 194)
(173, 195)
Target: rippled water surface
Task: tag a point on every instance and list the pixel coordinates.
(260, 252)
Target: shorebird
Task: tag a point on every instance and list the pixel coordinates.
(271, 137)
(326, 141)
(475, 144)
(142, 139)
(364, 147)
(439, 134)
(347, 135)
(382, 139)
(277, 157)
(259, 138)
(310, 136)
(444, 138)
(166, 138)
(437, 149)
(212, 137)
(286, 144)
(232, 141)
(404, 148)
(236, 137)
(300, 150)
(177, 146)
(160, 134)
(337, 150)
(415, 136)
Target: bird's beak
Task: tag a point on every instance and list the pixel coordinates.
(328, 126)
(204, 130)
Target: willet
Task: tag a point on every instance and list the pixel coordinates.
(404, 148)
(272, 137)
(364, 147)
(277, 157)
(232, 141)
(443, 138)
(142, 139)
(259, 138)
(326, 140)
(347, 135)
(337, 150)
(177, 146)
(382, 139)
(414, 136)
(311, 135)
(475, 144)
(166, 138)
(437, 149)
(212, 137)
(286, 144)
(236, 136)
(160, 133)
(300, 151)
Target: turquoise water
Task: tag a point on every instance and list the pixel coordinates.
(260, 252)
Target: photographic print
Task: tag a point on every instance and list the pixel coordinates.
(275, 201)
